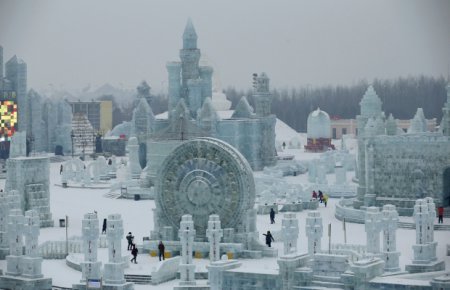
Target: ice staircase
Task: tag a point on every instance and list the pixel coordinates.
(139, 279)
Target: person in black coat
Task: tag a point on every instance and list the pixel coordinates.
(104, 227)
(272, 216)
(161, 250)
(134, 252)
(269, 239)
(130, 238)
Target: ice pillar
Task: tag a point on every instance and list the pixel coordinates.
(133, 151)
(32, 264)
(4, 209)
(8, 201)
(373, 228)
(421, 219)
(430, 227)
(214, 234)
(289, 230)
(90, 229)
(174, 70)
(424, 259)
(314, 231)
(186, 234)
(15, 228)
(113, 272)
(390, 225)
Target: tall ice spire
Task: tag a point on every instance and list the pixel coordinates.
(189, 36)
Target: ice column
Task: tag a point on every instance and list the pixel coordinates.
(425, 259)
(133, 151)
(214, 234)
(373, 229)
(430, 227)
(113, 272)
(186, 234)
(4, 209)
(8, 201)
(90, 229)
(421, 220)
(314, 231)
(15, 228)
(425, 248)
(289, 231)
(390, 224)
(32, 264)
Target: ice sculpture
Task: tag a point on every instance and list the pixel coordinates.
(214, 234)
(390, 225)
(186, 234)
(289, 232)
(314, 232)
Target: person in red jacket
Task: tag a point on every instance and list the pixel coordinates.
(440, 214)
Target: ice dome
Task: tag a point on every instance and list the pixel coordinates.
(318, 124)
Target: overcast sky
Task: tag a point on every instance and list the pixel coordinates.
(74, 43)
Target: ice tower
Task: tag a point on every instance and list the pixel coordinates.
(187, 79)
(192, 115)
(370, 109)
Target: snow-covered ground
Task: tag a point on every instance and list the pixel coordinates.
(138, 219)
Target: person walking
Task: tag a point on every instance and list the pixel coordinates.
(325, 199)
(61, 169)
(320, 196)
(272, 216)
(161, 250)
(130, 238)
(314, 194)
(134, 252)
(441, 214)
(269, 239)
(104, 227)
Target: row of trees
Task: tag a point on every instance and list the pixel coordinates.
(401, 97)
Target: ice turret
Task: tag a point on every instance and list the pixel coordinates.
(207, 112)
(391, 126)
(370, 103)
(243, 109)
(262, 96)
(418, 123)
(189, 36)
(190, 56)
(142, 118)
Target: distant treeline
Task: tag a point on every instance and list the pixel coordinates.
(401, 97)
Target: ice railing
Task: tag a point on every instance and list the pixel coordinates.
(60, 249)
(344, 210)
(354, 252)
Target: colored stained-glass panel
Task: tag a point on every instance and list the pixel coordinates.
(8, 119)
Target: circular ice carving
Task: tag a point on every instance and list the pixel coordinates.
(201, 177)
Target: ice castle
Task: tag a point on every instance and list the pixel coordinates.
(397, 168)
(191, 114)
